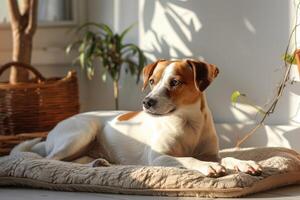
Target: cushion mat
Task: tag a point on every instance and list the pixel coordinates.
(281, 167)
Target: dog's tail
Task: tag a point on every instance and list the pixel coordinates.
(34, 145)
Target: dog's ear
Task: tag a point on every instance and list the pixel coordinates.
(148, 71)
(204, 73)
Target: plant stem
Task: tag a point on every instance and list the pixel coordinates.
(116, 94)
(271, 108)
(239, 142)
(280, 89)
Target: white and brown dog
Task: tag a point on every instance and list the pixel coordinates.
(175, 127)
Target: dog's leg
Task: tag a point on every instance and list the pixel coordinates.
(211, 169)
(246, 166)
(71, 138)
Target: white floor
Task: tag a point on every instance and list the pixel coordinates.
(287, 193)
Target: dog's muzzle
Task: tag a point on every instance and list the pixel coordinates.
(155, 106)
(149, 102)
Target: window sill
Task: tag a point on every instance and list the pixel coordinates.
(59, 24)
(46, 56)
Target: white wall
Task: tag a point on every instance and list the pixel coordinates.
(245, 39)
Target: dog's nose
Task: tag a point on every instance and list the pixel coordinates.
(149, 102)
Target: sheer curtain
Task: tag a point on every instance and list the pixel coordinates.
(55, 10)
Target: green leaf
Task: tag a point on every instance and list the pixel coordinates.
(234, 96)
(69, 48)
(133, 49)
(88, 37)
(90, 73)
(82, 60)
(131, 66)
(81, 47)
(118, 42)
(103, 77)
(103, 27)
(106, 28)
(289, 59)
(90, 50)
(126, 31)
(128, 47)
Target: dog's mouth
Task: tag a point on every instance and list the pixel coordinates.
(155, 113)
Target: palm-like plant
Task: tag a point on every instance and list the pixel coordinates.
(109, 48)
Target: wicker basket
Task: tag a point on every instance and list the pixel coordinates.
(37, 105)
(7, 142)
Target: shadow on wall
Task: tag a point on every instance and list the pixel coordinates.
(245, 39)
(281, 136)
(171, 34)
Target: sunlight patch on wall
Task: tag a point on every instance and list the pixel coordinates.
(244, 112)
(170, 26)
(250, 27)
(183, 16)
(278, 135)
(294, 19)
(295, 107)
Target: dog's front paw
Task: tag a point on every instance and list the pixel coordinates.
(248, 166)
(100, 162)
(212, 169)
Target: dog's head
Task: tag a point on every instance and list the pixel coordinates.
(175, 84)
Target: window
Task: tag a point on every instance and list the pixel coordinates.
(50, 12)
(56, 19)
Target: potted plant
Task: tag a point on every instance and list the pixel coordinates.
(109, 47)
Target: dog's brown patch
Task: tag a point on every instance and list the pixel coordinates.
(156, 68)
(158, 71)
(185, 93)
(128, 116)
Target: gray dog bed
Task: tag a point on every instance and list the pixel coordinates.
(280, 167)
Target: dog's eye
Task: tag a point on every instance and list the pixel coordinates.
(175, 82)
(151, 81)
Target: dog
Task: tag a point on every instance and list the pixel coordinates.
(175, 128)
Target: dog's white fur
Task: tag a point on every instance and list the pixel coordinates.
(185, 137)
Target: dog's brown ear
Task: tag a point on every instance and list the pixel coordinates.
(148, 71)
(204, 73)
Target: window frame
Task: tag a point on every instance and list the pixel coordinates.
(52, 24)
